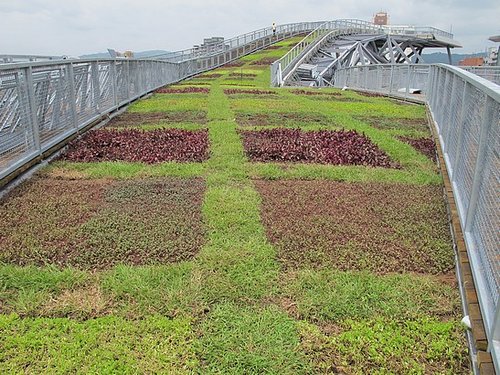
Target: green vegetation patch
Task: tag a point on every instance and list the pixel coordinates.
(103, 345)
(138, 119)
(26, 290)
(169, 103)
(248, 341)
(387, 346)
(388, 123)
(330, 296)
(288, 171)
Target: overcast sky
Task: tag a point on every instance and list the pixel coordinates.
(76, 27)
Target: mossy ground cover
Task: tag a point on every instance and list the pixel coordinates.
(128, 267)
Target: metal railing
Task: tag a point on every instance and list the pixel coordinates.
(412, 30)
(238, 41)
(44, 103)
(491, 73)
(393, 79)
(466, 113)
(24, 58)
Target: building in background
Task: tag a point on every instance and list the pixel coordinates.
(210, 44)
(472, 61)
(493, 52)
(381, 18)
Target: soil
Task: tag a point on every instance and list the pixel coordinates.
(244, 75)
(315, 93)
(382, 228)
(209, 76)
(234, 64)
(272, 48)
(239, 84)
(369, 94)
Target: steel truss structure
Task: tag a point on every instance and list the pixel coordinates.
(367, 45)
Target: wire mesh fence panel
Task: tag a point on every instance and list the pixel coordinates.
(466, 113)
(486, 221)
(463, 175)
(17, 139)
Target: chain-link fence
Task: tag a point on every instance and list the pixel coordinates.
(466, 111)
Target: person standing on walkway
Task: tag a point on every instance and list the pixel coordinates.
(274, 28)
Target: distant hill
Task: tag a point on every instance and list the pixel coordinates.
(440, 57)
(142, 54)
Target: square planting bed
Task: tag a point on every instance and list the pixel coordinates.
(145, 118)
(281, 119)
(233, 64)
(183, 90)
(386, 123)
(242, 75)
(253, 92)
(330, 96)
(264, 61)
(323, 147)
(96, 224)
(133, 145)
(423, 145)
(378, 227)
(315, 93)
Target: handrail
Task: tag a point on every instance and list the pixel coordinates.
(466, 113)
(42, 104)
(236, 41)
(491, 73)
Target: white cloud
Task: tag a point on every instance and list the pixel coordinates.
(84, 26)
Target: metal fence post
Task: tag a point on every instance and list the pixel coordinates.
(391, 79)
(128, 80)
(114, 84)
(408, 81)
(96, 92)
(33, 108)
(72, 95)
